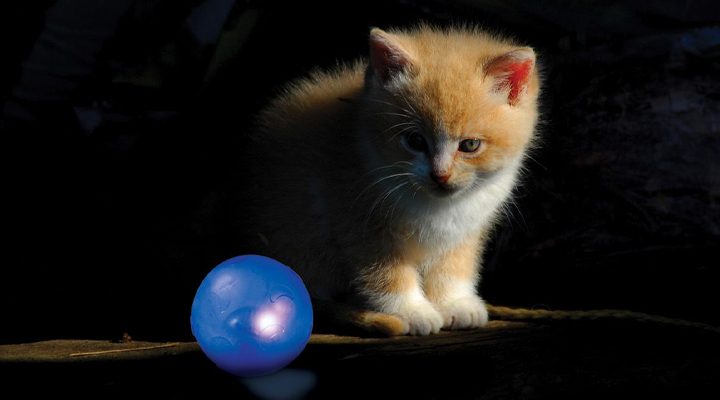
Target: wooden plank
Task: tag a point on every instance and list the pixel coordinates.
(567, 359)
(96, 350)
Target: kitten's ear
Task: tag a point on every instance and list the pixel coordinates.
(511, 73)
(387, 57)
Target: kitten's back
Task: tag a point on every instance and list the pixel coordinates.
(309, 101)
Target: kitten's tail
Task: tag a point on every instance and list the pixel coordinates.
(337, 317)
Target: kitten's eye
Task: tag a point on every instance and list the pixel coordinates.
(416, 141)
(470, 145)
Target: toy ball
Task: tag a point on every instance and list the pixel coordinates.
(251, 315)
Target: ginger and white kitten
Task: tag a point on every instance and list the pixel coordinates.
(379, 182)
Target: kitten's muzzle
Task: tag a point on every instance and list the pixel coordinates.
(441, 184)
(440, 178)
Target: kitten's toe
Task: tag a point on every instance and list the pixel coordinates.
(464, 313)
(423, 320)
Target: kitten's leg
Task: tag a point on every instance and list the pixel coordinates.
(450, 284)
(395, 289)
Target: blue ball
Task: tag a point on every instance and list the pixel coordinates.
(252, 315)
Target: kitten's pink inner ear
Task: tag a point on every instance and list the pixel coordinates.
(512, 71)
(387, 58)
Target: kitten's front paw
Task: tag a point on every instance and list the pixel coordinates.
(423, 319)
(464, 313)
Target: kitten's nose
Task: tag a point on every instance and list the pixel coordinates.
(441, 178)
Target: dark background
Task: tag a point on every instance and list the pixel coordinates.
(123, 121)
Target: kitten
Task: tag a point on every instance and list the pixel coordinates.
(379, 182)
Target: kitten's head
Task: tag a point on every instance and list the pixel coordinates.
(449, 108)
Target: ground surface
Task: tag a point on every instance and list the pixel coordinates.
(589, 359)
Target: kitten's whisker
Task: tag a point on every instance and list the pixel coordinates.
(398, 114)
(417, 188)
(379, 201)
(394, 207)
(388, 177)
(507, 211)
(391, 104)
(393, 165)
(375, 183)
(383, 102)
(396, 164)
(512, 202)
(399, 133)
(399, 125)
(531, 158)
(409, 105)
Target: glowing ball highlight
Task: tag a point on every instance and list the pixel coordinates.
(251, 315)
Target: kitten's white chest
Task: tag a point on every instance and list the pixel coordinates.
(445, 223)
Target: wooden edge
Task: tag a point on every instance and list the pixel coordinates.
(100, 350)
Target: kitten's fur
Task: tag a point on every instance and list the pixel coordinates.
(343, 190)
